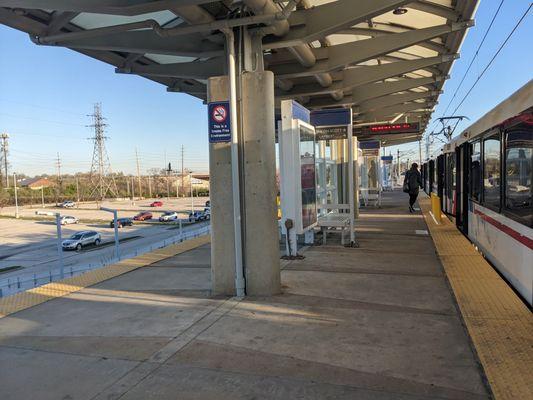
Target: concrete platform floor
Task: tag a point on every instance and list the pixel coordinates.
(375, 322)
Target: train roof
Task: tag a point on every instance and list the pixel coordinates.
(517, 103)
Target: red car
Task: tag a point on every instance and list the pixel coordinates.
(143, 216)
(157, 204)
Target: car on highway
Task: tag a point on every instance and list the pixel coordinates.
(143, 216)
(168, 216)
(82, 239)
(68, 204)
(121, 222)
(68, 219)
(207, 213)
(156, 204)
(197, 216)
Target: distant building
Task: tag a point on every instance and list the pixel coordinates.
(199, 182)
(36, 183)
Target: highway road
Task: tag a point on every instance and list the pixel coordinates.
(30, 247)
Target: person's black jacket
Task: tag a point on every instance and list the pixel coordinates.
(414, 180)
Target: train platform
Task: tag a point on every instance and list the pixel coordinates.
(375, 322)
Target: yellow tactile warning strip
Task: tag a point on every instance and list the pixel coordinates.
(499, 323)
(41, 294)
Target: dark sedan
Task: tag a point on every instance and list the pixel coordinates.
(121, 222)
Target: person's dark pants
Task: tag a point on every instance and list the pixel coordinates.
(412, 199)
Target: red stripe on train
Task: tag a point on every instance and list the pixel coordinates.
(505, 229)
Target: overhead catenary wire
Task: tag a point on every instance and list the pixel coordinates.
(474, 57)
(493, 58)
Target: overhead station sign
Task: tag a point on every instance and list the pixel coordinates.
(331, 124)
(219, 122)
(413, 127)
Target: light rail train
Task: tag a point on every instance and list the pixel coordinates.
(484, 180)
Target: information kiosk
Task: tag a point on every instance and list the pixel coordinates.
(297, 174)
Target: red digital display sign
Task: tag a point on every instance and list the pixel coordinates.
(389, 128)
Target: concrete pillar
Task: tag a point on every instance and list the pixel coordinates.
(222, 232)
(261, 253)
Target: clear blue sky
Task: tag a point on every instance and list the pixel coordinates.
(47, 92)
(511, 69)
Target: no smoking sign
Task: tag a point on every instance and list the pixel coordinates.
(219, 114)
(219, 122)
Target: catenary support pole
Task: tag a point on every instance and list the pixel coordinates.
(239, 268)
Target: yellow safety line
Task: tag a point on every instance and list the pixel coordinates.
(499, 323)
(41, 294)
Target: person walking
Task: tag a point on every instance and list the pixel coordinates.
(411, 185)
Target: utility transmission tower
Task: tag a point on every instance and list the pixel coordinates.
(4, 137)
(101, 178)
(58, 167)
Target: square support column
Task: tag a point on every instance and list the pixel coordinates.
(261, 253)
(222, 231)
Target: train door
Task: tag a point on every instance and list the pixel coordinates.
(462, 179)
(450, 185)
(431, 176)
(440, 178)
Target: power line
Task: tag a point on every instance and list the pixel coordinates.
(475, 56)
(493, 58)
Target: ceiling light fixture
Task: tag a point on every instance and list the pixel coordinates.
(399, 11)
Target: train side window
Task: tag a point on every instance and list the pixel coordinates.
(491, 172)
(475, 171)
(518, 173)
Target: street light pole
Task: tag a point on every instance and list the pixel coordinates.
(115, 225)
(59, 248)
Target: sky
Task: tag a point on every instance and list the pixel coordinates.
(47, 93)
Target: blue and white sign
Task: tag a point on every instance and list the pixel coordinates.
(219, 122)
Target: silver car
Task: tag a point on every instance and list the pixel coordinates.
(68, 219)
(82, 239)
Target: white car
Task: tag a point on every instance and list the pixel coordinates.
(68, 204)
(168, 216)
(68, 219)
(82, 239)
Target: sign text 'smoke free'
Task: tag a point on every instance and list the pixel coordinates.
(219, 122)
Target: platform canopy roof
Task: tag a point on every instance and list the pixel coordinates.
(387, 59)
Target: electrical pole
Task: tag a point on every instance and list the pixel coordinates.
(132, 189)
(59, 183)
(138, 172)
(150, 186)
(182, 170)
(77, 190)
(192, 196)
(168, 183)
(16, 196)
(4, 137)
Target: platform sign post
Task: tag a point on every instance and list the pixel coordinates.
(219, 122)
